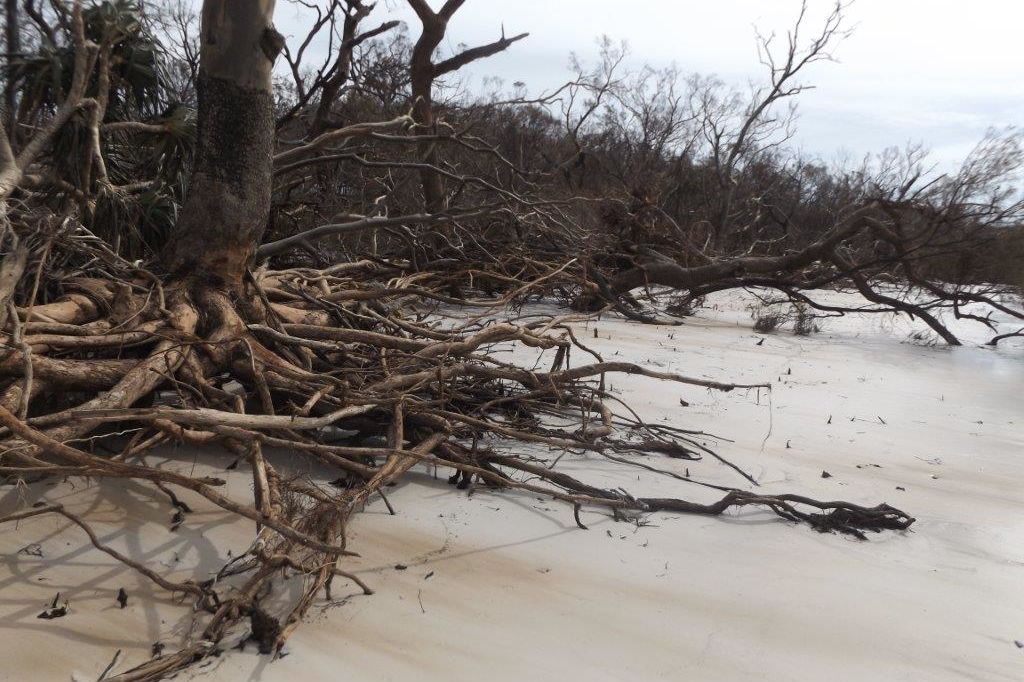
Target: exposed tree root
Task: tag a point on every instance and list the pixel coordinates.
(363, 365)
(303, 361)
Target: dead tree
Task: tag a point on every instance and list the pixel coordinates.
(735, 137)
(697, 194)
(424, 71)
(325, 85)
(211, 347)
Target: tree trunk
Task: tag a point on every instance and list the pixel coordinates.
(341, 69)
(228, 202)
(422, 82)
(13, 35)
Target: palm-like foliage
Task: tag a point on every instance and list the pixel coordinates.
(138, 203)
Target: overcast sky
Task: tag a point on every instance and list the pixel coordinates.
(934, 71)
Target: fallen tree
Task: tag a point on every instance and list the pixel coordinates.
(209, 346)
(649, 180)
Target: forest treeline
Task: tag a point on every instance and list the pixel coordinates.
(616, 165)
(304, 258)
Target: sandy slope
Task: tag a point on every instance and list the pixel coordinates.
(507, 588)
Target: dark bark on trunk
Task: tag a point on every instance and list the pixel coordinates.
(228, 203)
(329, 94)
(422, 76)
(661, 270)
(341, 69)
(720, 235)
(423, 71)
(13, 35)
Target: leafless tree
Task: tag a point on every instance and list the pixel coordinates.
(424, 71)
(616, 184)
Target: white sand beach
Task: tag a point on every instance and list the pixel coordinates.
(506, 587)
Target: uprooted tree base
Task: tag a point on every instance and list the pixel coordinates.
(278, 361)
